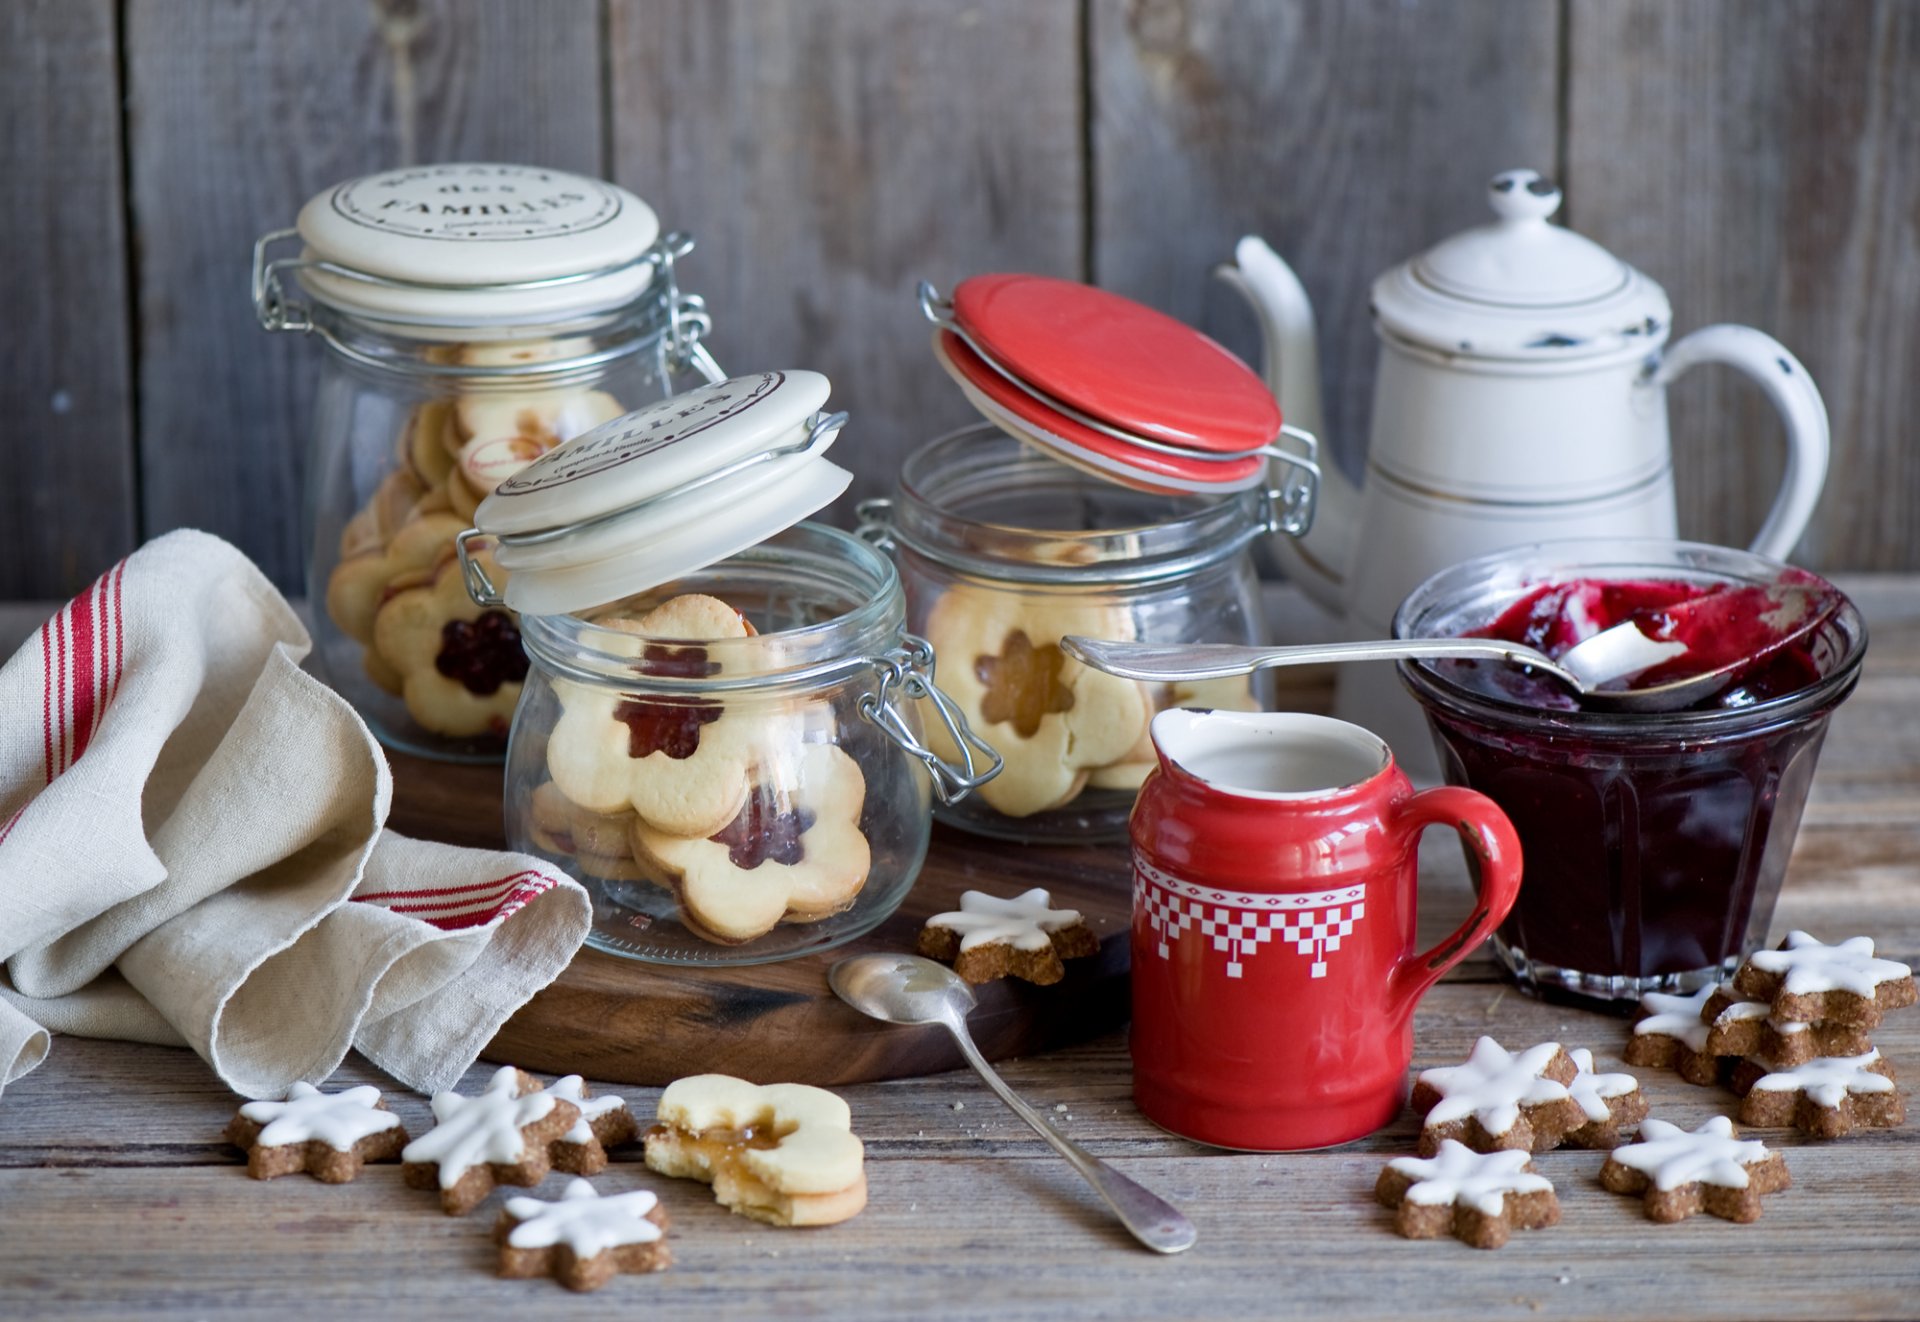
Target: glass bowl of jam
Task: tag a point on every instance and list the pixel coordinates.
(1655, 842)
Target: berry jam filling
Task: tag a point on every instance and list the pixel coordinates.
(482, 654)
(763, 832)
(665, 725)
(1023, 684)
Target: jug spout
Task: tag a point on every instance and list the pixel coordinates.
(1291, 366)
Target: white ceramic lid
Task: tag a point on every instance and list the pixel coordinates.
(1521, 287)
(455, 233)
(664, 491)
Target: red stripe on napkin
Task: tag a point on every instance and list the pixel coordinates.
(453, 908)
(83, 650)
(83, 655)
(46, 695)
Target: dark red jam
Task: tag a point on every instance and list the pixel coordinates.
(665, 725)
(1654, 844)
(482, 654)
(765, 831)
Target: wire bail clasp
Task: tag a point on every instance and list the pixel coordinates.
(909, 670)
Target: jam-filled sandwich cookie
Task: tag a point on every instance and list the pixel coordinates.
(600, 844)
(1478, 1198)
(605, 1122)
(1828, 1097)
(459, 664)
(1808, 981)
(682, 765)
(327, 1135)
(1710, 1169)
(1052, 719)
(584, 1238)
(503, 1136)
(793, 853)
(1024, 937)
(784, 1153)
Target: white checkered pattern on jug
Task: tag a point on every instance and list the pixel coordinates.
(1237, 923)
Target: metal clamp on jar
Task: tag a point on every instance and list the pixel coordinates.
(1129, 465)
(475, 316)
(725, 721)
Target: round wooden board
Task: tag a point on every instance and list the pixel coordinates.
(628, 1022)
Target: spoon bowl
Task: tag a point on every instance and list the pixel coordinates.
(902, 989)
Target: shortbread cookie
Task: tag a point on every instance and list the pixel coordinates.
(501, 432)
(1710, 1169)
(1737, 1026)
(605, 1122)
(583, 1239)
(795, 852)
(784, 1154)
(421, 447)
(1024, 937)
(1611, 1103)
(502, 1136)
(1808, 981)
(1052, 719)
(683, 765)
(1480, 1199)
(359, 585)
(601, 844)
(1670, 1034)
(1499, 1100)
(1828, 1097)
(327, 1135)
(460, 664)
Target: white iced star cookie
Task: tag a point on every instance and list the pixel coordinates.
(1498, 1099)
(502, 1136)
(330, 1136)
(1709, 1169)
(1808, 981)
(605, 1122)
(1828, 1097)
(1611, 1102)
(582, 1239)
(1480, 1198)
(988, 937)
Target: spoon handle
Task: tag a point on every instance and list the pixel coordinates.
(1177, 662)
(1152, 1220)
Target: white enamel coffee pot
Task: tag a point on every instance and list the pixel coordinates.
(1521, 397)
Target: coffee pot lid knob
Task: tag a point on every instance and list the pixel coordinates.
(1523, 195)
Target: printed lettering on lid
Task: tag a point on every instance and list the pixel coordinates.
(492, 202)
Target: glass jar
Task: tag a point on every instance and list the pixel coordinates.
(1002, 552)
(1655, 842)
(805, 736)
(456, 354)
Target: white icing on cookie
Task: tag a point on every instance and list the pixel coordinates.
(1738, 1007)
(1461, 1175)
(1023, 922)
(1676, 1016)
(1493, 1085)
(1671, 1156)
(1814, 966)
(583, 1220)
(339, 1120)
(1827, 1080)
(571, 1089)
(1592, 1090)
(476, 1130)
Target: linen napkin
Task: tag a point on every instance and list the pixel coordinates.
(192, 850)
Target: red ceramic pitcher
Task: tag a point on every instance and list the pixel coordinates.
(1274, 897)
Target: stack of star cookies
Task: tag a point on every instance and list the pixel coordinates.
(1790, 1034)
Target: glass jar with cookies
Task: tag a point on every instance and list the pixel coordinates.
(727, 732)
(475, 317)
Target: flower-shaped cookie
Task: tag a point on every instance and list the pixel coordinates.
(784, 1153)
(358, 585)
(601, 844)
(501, 433)
(1052, 719)
(682, 764)
(794, 852)
(460, 664)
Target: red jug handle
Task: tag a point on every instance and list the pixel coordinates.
(1495, 850)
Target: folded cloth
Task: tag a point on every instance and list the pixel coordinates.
(192, 850)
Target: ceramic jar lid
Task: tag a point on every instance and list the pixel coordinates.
(1107, 384)
(476, 244)
(1520, 287)
(661, 492)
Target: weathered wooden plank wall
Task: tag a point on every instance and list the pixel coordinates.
(1761, 160)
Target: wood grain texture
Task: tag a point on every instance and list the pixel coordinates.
(828, 155)
(66, 468)
(242, 110)
(1763, 163)
(1348, 136)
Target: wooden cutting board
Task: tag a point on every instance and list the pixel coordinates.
(627, 1022)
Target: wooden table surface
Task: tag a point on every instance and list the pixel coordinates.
(118, 1196)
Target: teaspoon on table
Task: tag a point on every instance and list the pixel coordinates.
(906, 989)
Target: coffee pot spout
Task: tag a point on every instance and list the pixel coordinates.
(1290, 362)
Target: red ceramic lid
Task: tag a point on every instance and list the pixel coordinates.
(1119, 361)
(1112, 458)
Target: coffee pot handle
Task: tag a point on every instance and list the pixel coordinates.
(1494, 852)
(1793, 393)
